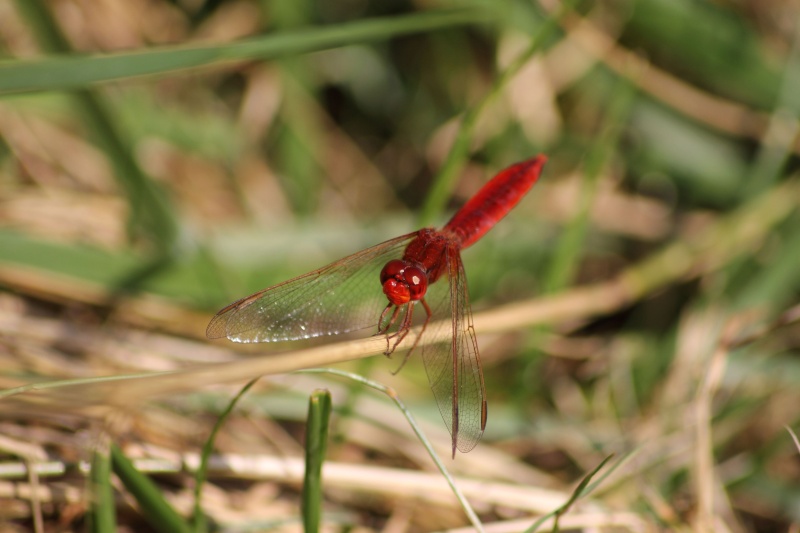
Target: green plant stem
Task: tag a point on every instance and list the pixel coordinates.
(198, 518)
(78, 71)
(103, 512)
(319, 412)
(155, 508)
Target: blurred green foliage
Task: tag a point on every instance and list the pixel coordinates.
(239, 149)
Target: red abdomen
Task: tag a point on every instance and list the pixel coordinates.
(494, 201)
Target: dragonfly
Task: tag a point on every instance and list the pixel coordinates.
(419, 269)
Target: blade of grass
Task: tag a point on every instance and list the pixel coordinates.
(319, 412)
(103, 512)
(155, 508)
(794, 437)
(388, 391)
(78, 382)
(72, 72)
(580, 491)
(198, 517)
(457, 156)
(92, 275)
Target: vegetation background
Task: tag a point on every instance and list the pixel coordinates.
(161, 158)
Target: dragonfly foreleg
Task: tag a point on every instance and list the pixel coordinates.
(405, 327)
(392, 319)
(397, 337)
(385, 329)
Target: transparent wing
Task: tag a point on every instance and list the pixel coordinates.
(454, 368)
(341, 297)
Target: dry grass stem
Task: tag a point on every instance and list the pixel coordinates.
(641, 301)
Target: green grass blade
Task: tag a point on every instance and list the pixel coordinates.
(155, 508)
(71, 72)
(319, 412)
(106, 270)
(103, 512)
(198, 518)
(581, 490)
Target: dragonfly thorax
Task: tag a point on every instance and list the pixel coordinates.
(403, 282)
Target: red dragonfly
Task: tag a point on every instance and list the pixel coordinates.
(343, 297)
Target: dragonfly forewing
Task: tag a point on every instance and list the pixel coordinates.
(338, 298)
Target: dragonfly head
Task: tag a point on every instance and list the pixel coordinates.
(403, 282)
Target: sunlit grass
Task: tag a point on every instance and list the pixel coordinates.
(641, 301)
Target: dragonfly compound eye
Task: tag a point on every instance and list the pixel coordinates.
(417, 282)
(392, 269)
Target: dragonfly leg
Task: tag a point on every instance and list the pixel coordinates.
(392, 319)
(428, 314)
(385, 330)
(402, 330)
